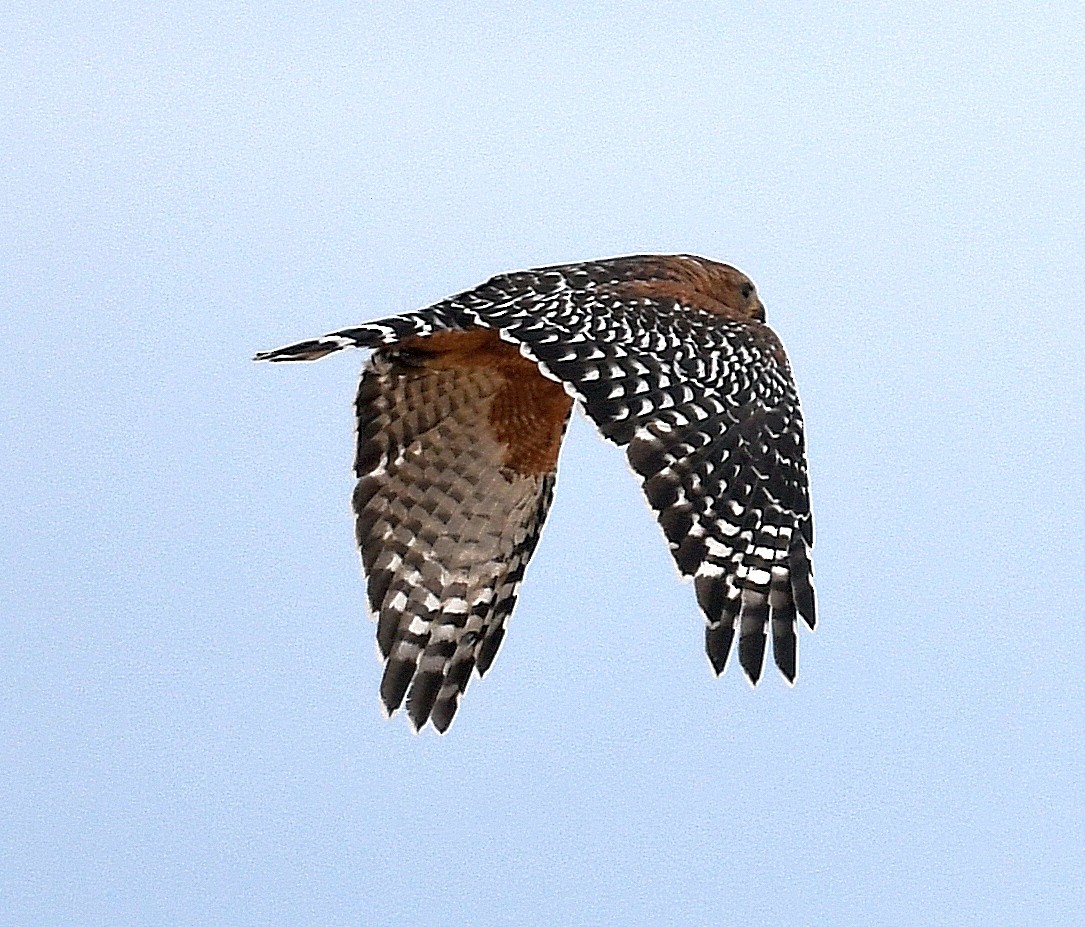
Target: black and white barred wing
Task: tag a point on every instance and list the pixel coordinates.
(445, 530)
(710, 417)
(445, 526)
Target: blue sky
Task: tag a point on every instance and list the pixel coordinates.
(189, 724)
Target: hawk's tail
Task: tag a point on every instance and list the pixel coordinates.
(371, 335)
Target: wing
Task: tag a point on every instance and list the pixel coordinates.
(456, 467)
(703, 401)
(708, 411)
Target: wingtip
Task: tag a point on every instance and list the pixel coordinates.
(388, 713)
(752, 676)
(785, 649)
(442, 722)
(751, 654)
(414, 724)
(789, 673)
(397, 676)
(718, 640)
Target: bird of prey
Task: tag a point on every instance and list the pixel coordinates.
(461, 411)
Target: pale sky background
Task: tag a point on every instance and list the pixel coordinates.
(189, 725)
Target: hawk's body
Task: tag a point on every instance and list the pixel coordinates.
(461, 412)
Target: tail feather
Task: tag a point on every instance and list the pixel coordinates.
(371, 335)
(313, 349)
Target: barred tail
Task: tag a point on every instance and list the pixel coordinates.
(371, 335)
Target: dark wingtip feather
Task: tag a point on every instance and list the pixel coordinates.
(751, 639)
(717, 641)
(784, 650)
(397, 676)
(802, 585)
(444, 711)
(808, 611)
(488, 650)
(720, 612)
(784, 643)
(751, 654)
(421, 698)
(448, 699)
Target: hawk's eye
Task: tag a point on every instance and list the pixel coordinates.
(747, 290)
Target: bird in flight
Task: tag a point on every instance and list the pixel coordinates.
(461, 411)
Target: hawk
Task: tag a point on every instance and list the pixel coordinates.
(461, 411)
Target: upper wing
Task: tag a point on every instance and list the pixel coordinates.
(708, 411)
(450, 502)
(706, 407)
